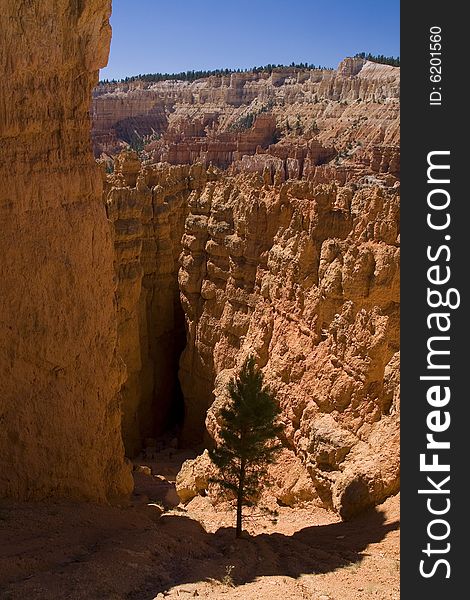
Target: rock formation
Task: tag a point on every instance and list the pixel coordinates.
(220, 119)
(290, 253)
(148, 208)
(304, 275)
(59, 371)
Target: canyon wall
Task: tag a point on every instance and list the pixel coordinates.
(147, 207)
(303, 275)
(290, 254)
(306, 277)
(59, 370)
(351, 111)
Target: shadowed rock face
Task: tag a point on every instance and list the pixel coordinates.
(59, 371)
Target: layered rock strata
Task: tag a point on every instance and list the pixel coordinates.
(219, 149)
(306, 277)
(59, 371)
(220, 120)
(303, 275)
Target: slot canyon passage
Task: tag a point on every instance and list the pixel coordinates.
(236, 214)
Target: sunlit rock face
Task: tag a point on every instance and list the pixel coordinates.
(303, 275)
(59, 371)
(307, 116)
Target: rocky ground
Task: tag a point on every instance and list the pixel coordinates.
(142, 552)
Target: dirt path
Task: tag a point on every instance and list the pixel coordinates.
(77, 552)
(67, 551)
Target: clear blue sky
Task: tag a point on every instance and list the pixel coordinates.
(152, 36)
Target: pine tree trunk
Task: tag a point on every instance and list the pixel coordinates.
(241, 483)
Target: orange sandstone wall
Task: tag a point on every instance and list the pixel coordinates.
(306, 278)
(147, 206)
(59, 371)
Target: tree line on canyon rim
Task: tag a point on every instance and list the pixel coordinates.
(193, 75)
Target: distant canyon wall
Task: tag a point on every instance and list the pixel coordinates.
(352, 112)
(60, 374)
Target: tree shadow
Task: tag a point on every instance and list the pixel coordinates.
(316, 549)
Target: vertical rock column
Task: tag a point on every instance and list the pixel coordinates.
(147, 205)
(59, 371)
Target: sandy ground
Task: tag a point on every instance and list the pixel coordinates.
(78, 551)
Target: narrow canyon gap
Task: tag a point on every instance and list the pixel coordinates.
(148, 208)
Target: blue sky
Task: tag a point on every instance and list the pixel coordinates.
(152, 36)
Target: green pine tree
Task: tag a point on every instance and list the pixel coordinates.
(249, 437)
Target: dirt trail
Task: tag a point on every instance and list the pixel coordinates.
(78, 551)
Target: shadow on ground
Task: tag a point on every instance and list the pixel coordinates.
(317, 549)
(66, 551)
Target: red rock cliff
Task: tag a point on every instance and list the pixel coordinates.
(59, 371)
(306, 277)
